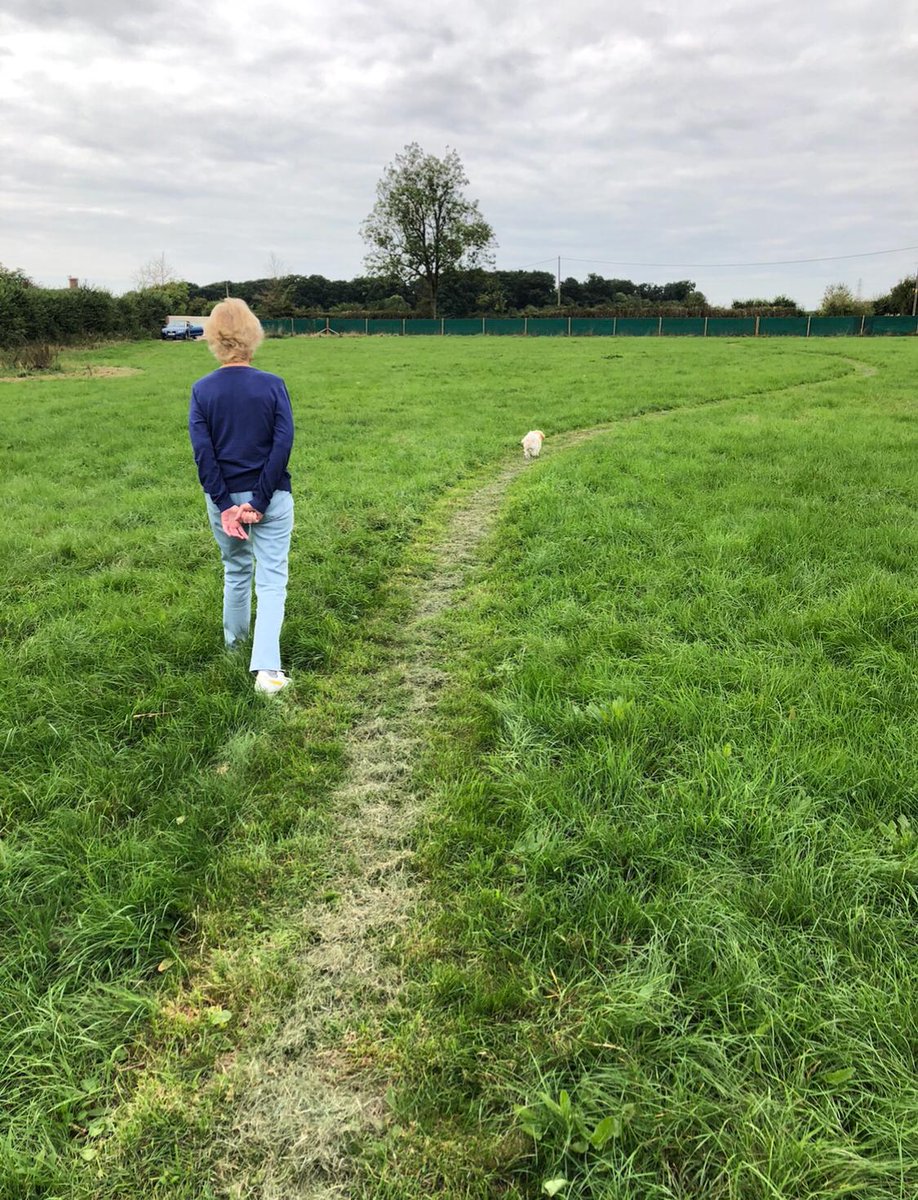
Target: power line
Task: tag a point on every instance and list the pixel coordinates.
(545, 260)
(775, 262)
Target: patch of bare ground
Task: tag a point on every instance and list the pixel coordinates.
(304, 1100)
(87, 372)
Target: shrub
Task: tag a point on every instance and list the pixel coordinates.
(31, 357)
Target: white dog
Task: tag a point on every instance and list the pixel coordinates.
(532, 444)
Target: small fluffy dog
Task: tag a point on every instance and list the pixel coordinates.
(532, 444)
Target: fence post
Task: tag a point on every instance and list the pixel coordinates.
(660, 328)
(863, 319)
(808, 319)
(568, 327)
(614, 325)
(525, 327)
(403, 326)
(442, 326)
(705, 327)
(756, 334)
(482, 324)
(291, 326)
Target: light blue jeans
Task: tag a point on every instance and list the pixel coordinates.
(265, 554)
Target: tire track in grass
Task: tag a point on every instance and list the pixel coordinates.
(306, 1098)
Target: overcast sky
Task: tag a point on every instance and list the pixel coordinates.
(650, 141)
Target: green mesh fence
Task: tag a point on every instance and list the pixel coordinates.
(782, 326)
(683, 327)
(279, 326)
(503, 326)
(591, 326)
(347, 325)
(637, 326)
(835, 326)
(731, 326)
(462, 325)
(547, 326)
(600, 326)
(884, 326)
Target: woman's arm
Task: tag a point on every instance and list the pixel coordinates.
(277, 460)
(205, 457)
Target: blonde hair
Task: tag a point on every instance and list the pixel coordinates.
(232, 331)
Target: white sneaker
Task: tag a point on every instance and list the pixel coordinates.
(270, 682)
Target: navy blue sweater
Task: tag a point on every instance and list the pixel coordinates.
(241, 427)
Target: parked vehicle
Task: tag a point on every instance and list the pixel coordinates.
(181, 331)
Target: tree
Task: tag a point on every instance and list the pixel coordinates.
(276, 297)
(679, 292)
(422, 224)
(525, 288)
(159, 294)
(838, 300)
(14, 277)
(573, 292)
(493, 299)
(901, 300)
(156, 273)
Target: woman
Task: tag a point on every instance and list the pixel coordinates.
(241, 427)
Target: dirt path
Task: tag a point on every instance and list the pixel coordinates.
(303, 1100)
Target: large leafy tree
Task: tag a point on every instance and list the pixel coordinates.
(902, 299)
(422, 223)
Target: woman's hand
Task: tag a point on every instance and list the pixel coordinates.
(249, 515)
(231, 521)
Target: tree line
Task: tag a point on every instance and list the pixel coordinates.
(67, 315)
(474, 292)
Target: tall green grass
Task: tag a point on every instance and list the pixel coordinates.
(157, 819)
(673, 830)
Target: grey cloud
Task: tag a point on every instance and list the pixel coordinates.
(133, 27)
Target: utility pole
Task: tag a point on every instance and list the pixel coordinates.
(915, 295)
(559, 281)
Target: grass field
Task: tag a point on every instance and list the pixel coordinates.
(670, 837)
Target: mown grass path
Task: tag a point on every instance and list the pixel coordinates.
(304, 1101)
